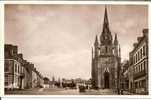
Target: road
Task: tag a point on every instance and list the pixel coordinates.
(60, 91)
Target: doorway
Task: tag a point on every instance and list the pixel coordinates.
(106, 80)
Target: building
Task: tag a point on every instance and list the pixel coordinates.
(28, 74)
(124, 83)
(19, 73)
(106, 59)
(46, 82)
(40, 80)
(13, 68)
(139, 65)
(35, 77)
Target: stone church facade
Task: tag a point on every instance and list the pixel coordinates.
(106, 59)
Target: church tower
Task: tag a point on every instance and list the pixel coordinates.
(105, 62)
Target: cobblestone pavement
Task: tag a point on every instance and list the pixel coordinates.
(60, 91)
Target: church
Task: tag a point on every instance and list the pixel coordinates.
(106, 59)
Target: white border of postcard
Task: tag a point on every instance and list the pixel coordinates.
(67, 2)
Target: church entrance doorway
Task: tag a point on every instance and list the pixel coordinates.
(106, 80)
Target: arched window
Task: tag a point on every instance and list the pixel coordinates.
(106, 49)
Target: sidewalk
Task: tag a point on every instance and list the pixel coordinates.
(128, 93)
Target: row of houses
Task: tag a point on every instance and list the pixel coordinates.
(19, 73)
(134, 72)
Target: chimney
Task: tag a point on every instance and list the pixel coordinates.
(32, 66)
(139, 38)
(134, 45)
(20, 56)
(145, 32)
(15, 50)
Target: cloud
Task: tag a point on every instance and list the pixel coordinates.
(58, 64)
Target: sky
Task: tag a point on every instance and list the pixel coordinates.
(58, 38)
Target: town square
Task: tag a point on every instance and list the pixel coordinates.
(76, 50)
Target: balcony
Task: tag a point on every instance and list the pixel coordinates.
(139, 74)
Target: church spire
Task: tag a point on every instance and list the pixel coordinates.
(92, 53)
(106, 37)
(115, 40)
(96, 41)
(119, 51)
(96, 46)
(106, 22)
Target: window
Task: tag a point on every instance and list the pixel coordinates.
(21, 69)
(139, 67)
(143, 83)
(11, 53)
(15, 67)
(136, 69)
(144, 65)
(136, 85)
(134, 59)
(6, 66)
(6, 76)
(6, 83)
(106, 49)
(141, 53)
(138, 55)
(144, 51)
(131, 85)
(18, 69)
(139, 84)
(18, 81)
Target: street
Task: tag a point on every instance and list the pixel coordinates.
(60, 91)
